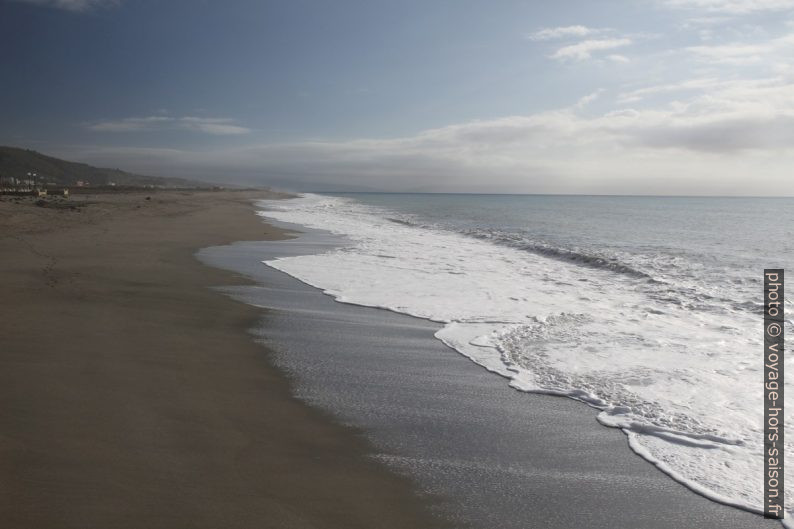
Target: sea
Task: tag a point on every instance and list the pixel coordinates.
(648, 309)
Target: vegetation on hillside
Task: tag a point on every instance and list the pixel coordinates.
(16, 164)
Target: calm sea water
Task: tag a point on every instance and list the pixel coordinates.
(647, 308)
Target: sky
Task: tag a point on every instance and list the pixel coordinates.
(671, 97)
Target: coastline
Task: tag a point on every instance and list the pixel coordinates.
(498, 457)
(133, 395)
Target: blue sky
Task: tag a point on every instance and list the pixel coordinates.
(645, 96)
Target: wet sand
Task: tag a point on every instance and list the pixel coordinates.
(132, 395)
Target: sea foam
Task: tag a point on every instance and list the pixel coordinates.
(683, 384)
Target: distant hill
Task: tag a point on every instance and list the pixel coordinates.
(17, 163)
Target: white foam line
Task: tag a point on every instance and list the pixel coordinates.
(499, 369)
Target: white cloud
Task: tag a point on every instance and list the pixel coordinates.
(733, 7)
(216, 126)
(212, 126)
(562, 32)
(738, 117)
(72, 5)
(618, 58)
(745, 53)
(130, 124)
(584, 50)
(731, 53)
(710, 20)
(589, 98)
(687, 85)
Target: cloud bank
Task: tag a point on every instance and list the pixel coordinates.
(735, 139)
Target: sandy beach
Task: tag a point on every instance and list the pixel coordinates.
(132, 395)
(375, 265)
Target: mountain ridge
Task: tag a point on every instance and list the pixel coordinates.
(16, 163)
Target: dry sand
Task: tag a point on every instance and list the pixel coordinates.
(131, 395)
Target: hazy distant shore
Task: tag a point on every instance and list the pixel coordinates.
(132, 394)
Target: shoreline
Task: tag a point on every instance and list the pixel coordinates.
(133, 394)
(499, 457)
(426, 258)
